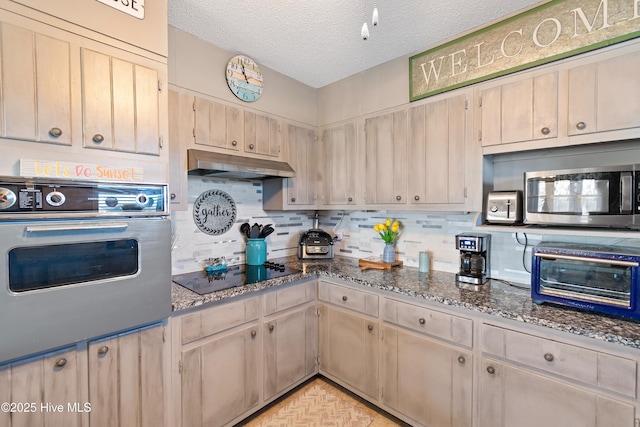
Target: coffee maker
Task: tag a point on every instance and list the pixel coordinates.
(474, 257)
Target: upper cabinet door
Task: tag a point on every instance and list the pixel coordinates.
(262, 135)
(301, 190)
(36, 87)
(604, 96)
(523, 110)
(218, 125)
(120, 104)
(386, 158)
(338, 152)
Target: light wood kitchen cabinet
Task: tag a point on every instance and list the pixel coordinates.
(301, 191)
(349, 349)
(262, 134)
(180, 136)
(218, 125)
(437, 136)
(126, 379)
(338, 152)
(426, 380)
(36, 86)
(524, 109)
(511, 396)
(290, 337)
(42, 388)
(120, 104)
(386, 159)
(604, 95)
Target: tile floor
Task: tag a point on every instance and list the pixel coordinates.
(363, 413)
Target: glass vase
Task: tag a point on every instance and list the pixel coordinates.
(389, 253)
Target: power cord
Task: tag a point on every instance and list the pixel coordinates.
(524, 252)
(506, 282)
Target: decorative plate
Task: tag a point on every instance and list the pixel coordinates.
(214, 212)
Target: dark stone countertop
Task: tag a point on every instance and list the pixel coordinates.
(495, 298)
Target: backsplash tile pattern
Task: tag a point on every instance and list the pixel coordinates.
(421, 231)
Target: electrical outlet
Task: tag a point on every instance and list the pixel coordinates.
(339, 236)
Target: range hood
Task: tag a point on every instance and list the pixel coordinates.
(206, 163)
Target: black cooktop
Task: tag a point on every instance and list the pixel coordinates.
(203, 282)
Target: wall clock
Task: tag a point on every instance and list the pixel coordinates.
(244, 78)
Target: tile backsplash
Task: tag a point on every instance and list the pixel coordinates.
(421, 231)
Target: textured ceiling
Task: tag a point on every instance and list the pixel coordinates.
(318, 42)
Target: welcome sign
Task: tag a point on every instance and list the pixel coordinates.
(546, 33)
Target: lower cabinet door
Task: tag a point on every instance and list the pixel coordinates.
(126, 381)
(220, 378)
(290, 348)
(428, 382)
(509, 396)
(349, 349)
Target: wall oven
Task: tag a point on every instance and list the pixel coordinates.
(600, 197)
(81, 260)
(592, 277)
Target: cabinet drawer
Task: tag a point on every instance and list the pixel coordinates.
(218, 318)
(430, 322)
(362, 302)
(599, 369)
(286, 298)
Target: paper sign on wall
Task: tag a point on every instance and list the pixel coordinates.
(79, 170)
(134, 8)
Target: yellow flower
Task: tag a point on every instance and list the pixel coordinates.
(388, 222)
(388, 230)
(395, 227)
(377, 228)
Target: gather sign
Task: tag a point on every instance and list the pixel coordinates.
(551, 31)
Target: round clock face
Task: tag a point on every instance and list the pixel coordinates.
(244, 78)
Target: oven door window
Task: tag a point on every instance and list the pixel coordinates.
(586, 281)
(41, 267)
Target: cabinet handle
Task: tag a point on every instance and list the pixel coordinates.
(421, 321)
(55, 132)
(251, 146)
(97, 138)
(173, 196)
(103, 350)
(293, 200)
(350, 199)
(370, 327)
(545, 131)
(271, 327)
(60, 363)
(253, 334)
(234, 143)
(416, 198)
(344, 298)
(581, 126)
(491, 370)
(398, 198)
(548, 357)
(461, 360)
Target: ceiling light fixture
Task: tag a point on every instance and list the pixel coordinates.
(364, 32)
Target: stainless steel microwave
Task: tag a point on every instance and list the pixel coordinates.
(600, 278)
(596, 197)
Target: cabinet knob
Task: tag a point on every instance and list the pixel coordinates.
(97, 138)
(545, 131)
(350, 199)
(251, 146)
(60, 363)
(293, 200)
(55, 132)
(370, 327)
(103, 350)
(548, 357)
(173, 196)
(416, 198)
(491, 370)
(344, 298)
(581, 126)
(253, 334)
(461, 360)
(271, 327)
(422, 321)
(398, 198)
(234, 143)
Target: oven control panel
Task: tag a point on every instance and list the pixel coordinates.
(19, 196)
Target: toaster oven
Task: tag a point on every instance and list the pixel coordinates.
(591, 277)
